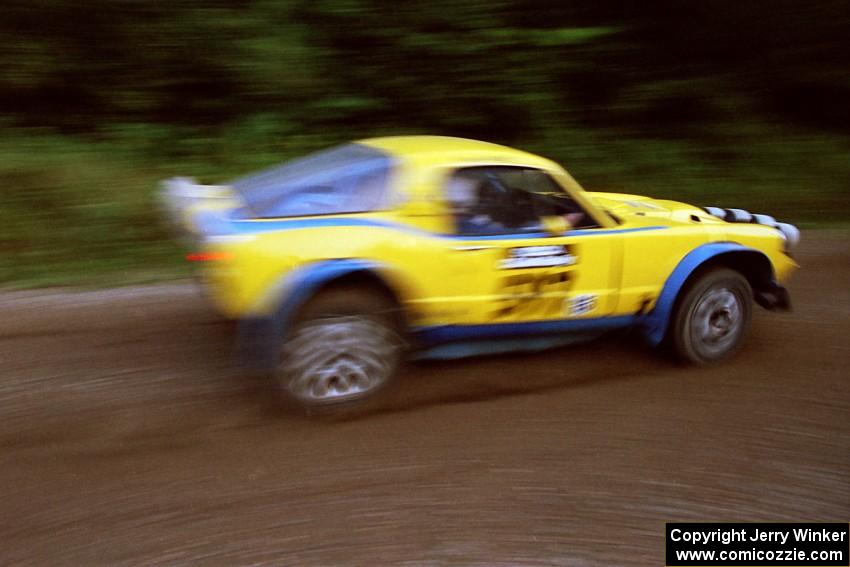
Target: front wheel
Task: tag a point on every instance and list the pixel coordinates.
(344, 347)
(712, 318)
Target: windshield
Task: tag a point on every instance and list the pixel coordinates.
(345, 179)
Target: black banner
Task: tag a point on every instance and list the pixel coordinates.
(757, 544)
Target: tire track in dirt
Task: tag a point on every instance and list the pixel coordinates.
(128, 437)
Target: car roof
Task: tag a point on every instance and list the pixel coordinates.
(434, 150)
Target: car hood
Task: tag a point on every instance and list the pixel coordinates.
(625, 205)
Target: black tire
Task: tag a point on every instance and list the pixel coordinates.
(711, 317)
(343, 348)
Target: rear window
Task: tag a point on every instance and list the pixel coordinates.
(344, 179)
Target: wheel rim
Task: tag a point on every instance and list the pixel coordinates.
(717, 321)
(336, 359)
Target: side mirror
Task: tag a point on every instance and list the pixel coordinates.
(554, 225)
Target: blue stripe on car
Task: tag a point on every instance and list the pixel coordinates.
(253, 226)
(451, 333)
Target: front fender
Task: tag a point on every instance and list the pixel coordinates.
(654, 325)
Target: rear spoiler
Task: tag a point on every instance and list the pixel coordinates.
(178, 194)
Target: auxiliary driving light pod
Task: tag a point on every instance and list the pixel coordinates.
(739, 215)
(766, 220)
(790, 233)
(715, 212)
(729, 215)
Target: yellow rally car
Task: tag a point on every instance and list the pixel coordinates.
(338, 264)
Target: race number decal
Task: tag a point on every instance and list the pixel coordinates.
(537, 257)
(530, 296)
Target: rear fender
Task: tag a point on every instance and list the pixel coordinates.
(260, 336)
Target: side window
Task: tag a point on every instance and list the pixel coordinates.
(481, 205)
(508, 200)
(359, 190)
(346, 179)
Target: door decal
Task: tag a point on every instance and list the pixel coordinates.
(531, 296)
(537, 257)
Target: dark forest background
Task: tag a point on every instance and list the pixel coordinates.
(734, 103)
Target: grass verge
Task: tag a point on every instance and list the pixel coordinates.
(82, 212)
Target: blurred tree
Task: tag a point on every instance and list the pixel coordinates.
(498, 69)
(728, 102)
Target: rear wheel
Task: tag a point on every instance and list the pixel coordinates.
(343, 348)
(712, 317)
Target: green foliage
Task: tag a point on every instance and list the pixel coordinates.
(718, 102)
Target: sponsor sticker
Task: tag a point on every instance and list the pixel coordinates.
(537, 257)
(582, 304)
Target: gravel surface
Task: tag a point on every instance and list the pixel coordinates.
(129, 438)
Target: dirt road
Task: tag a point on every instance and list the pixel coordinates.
(127, 438)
